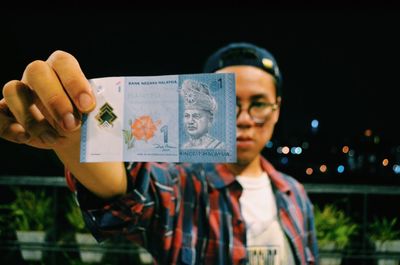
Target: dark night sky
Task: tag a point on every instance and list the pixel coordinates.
(339, 66)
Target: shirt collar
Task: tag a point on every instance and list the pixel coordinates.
(219, 176)
(199, 141)
(276, 177)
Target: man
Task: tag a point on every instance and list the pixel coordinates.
(241, 213)
(198, 116)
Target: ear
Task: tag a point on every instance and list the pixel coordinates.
(210, 124)
(211, 116)
(278, 110)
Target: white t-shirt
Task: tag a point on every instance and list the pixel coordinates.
(266, 242)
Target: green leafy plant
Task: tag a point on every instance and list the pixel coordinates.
(333, 226)
(6, 221)
(32, 210)
(74, 216)
(384, 230)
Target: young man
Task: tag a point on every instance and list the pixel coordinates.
(242, 213)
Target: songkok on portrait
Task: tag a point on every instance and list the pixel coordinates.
(197, 95)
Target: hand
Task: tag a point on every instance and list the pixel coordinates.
(44, 108)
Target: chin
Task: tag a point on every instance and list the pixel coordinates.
(244, 160)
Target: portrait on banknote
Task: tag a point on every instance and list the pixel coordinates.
(198, 117)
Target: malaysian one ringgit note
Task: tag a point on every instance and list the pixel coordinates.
(170, 118)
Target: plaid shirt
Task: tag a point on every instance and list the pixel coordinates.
(190, 213)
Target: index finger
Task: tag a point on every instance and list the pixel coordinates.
(73, 80)
(9, 128)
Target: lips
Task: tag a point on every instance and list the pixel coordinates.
(244, 138)
(244, 141)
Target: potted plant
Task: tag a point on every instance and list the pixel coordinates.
(32, 213)
(334, 231)
(84, 239)
(385, 237)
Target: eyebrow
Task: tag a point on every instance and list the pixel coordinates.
(259, 96)
(256, 97)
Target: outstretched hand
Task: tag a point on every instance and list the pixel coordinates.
(44, 108)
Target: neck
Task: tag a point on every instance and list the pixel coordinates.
(194, 138)
(251, 169)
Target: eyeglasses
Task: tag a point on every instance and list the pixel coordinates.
(258, 111)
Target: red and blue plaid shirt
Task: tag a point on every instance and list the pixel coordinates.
(190, 213)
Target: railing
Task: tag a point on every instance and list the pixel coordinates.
(362, 254)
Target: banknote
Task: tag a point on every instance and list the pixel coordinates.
(169, 118)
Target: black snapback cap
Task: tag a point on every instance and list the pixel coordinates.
(243, 53)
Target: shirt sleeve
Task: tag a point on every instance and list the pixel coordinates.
(139, 214)
(312, 253)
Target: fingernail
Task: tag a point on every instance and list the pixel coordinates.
(48, 138)
(69, 121)
(23, 137)
(85, 102)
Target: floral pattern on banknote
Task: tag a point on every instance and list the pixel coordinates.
(142, 128)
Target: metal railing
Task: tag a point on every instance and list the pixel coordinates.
(361, 253)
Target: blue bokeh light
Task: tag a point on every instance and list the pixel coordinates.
(396, 169)
(315, 123)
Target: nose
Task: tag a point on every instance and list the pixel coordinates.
(244, 119)
(188, 118)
